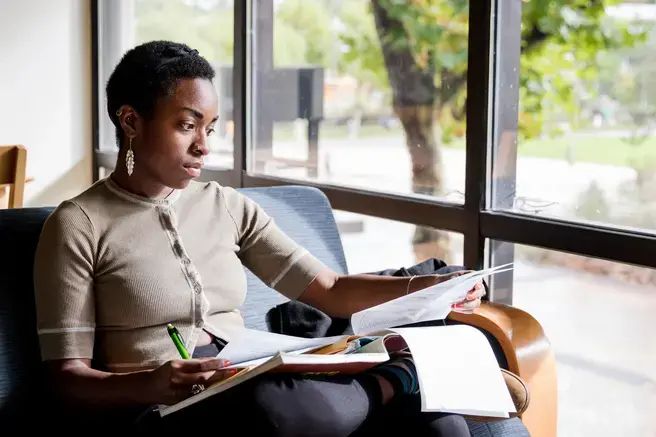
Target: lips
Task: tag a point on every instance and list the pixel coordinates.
(193, 168)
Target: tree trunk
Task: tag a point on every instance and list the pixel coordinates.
(413, 98)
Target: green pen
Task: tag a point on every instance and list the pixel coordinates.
(177, 341)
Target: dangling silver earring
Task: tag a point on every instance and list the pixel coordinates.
(129, 159)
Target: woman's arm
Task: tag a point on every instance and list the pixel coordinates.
(286, 267)
(342, 295)
(75, 382)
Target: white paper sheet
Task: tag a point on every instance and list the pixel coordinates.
(458, 372)
(432, 303)
(252, 345)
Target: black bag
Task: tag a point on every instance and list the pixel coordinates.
(302, 320)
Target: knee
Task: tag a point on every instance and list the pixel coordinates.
(449, 425)
(286, 409)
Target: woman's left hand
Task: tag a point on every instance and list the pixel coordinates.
(472, 301)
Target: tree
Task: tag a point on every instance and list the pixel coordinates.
(424, 49)
(301, 29)
(307, 23)
(417, 50)
(206, 26)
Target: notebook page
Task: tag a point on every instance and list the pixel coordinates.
(457, 371)
(251, 345)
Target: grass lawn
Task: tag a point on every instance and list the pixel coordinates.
(595, 149)
(599, 150)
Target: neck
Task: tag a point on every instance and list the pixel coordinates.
(138, 183)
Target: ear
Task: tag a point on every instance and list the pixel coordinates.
(130, 120)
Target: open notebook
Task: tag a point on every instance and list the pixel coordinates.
(457, 369)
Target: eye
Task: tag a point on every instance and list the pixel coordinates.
(187, 126)
(210, 131)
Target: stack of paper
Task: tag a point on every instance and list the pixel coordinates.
(432, 303)
(457, 369)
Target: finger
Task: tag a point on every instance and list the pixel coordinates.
(180, 379)
(199, 365)
(475, 294)
(478, 287)
(189, 379)
(467, 305)
(472, 304)
(223, 374)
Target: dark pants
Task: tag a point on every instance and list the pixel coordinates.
(285, 406)
(294, 406)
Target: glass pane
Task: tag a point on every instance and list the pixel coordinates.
(205, 25)
(599, 317)
(585, 145)
(372, 244)
(361, 94)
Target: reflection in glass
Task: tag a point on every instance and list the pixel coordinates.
(584, 147)
(344, 94)
(598, 316)
(362, 94)
(205, 25)
(372, 244)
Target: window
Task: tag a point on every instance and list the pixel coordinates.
(507, 124)
(318, 101)
(587, 145)
(206, 25)
(345, 93)
(372, 244)
(598, 316)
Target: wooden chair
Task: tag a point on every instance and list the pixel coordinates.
(306, 216)
(13, 161)
(529, 355)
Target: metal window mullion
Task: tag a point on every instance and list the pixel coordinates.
(240, 89)
(413, 210)
(503, 157)
(586, 239)
(477, 138)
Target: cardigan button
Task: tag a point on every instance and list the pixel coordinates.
(199, 324)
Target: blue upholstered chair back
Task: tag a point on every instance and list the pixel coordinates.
(303, 213)
(306, 216)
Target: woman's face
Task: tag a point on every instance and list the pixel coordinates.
(171, 146)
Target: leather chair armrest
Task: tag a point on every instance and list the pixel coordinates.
(529, 355)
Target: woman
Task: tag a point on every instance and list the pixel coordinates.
(149, 246)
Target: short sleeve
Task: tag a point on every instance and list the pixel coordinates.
(63, 284)
(267, 251)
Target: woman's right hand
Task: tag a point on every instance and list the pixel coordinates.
(173, 381)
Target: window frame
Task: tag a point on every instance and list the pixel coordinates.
(474, 219)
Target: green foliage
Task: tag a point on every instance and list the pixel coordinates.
(209, 30)
(562, 69)
(303, 30)
(561, 42)
(564, 44)
(436, 31)
(628, 77)
(361, 56)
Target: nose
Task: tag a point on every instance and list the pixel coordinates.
(201, 149)
(200, 146)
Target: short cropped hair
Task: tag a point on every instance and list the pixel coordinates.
(148, 72)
